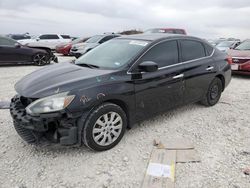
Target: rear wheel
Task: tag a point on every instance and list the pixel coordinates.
(40, 59)
(214, 93)
(105, 127)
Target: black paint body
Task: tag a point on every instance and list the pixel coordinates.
(141, 95)
(22, 54)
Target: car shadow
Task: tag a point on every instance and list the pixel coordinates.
(242, 76)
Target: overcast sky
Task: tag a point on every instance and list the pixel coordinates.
(207, 18)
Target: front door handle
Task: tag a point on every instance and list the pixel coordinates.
(209, 68)
(178, 76)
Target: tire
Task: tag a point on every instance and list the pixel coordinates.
(213, 94)
(40, 59)
(104, 127)
(88, 50)
(27, 135)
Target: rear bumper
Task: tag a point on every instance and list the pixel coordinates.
(243, 68)
(241, 72)
(57, 128)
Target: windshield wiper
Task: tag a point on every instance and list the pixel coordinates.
(89, 65)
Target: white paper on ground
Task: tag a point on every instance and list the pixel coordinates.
(159, 170)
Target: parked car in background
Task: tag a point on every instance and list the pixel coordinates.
(13, 52)
(65, 48)
(166, 30)
(241, 58)
(79, 49)
(211, 41)
(117, 84)
(226, 45)
(217, 41)
(18, 37)
(46, 40)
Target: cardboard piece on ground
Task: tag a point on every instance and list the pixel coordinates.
(161, 169)
(177, 144)
(187, 156)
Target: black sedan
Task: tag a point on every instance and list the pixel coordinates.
(115, 85)
(13, 52)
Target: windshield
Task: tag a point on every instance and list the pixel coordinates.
(225, 44)
(112, 54)
(78, 40)
(243, 46)
(20, 37)
(94, 39)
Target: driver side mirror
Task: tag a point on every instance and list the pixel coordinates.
(37, 39)
(17, 45)
(148, 66)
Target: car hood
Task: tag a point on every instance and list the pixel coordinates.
(239, 53)
(57, 79)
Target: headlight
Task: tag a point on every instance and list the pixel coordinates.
(50, 104)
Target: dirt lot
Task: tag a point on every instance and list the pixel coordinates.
(221, 135)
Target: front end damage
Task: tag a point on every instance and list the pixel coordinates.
(58, 127)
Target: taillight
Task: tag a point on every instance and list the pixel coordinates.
(229, 60)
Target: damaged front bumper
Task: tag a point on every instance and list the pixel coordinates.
(59, 128)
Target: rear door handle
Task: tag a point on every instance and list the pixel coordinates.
(178, 76)
(209, 68)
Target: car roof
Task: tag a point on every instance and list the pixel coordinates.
(155, 36)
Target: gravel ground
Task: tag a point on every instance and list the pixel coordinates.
(221, 135)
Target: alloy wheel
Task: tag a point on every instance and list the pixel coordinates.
(107, 128)
(40, 59)
(214, 92)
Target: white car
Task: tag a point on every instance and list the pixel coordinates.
(46, 40)
(81, 48)
(226, 45)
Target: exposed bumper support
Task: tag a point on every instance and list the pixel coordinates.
(53, 127)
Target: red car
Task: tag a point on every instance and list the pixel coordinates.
(241, 58)
(166, 30)
(65, 48)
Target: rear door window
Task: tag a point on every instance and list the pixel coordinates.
(191, 50)
(65, 36)
(179, 31)
(48, 37)
(164, 54)
(209, 49)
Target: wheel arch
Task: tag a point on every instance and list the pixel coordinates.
(124, 107)
(81, 121)
(222, 78)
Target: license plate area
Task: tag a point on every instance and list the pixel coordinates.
(235, 67)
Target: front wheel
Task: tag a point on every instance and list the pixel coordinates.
(105, 127)
(214, 93)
